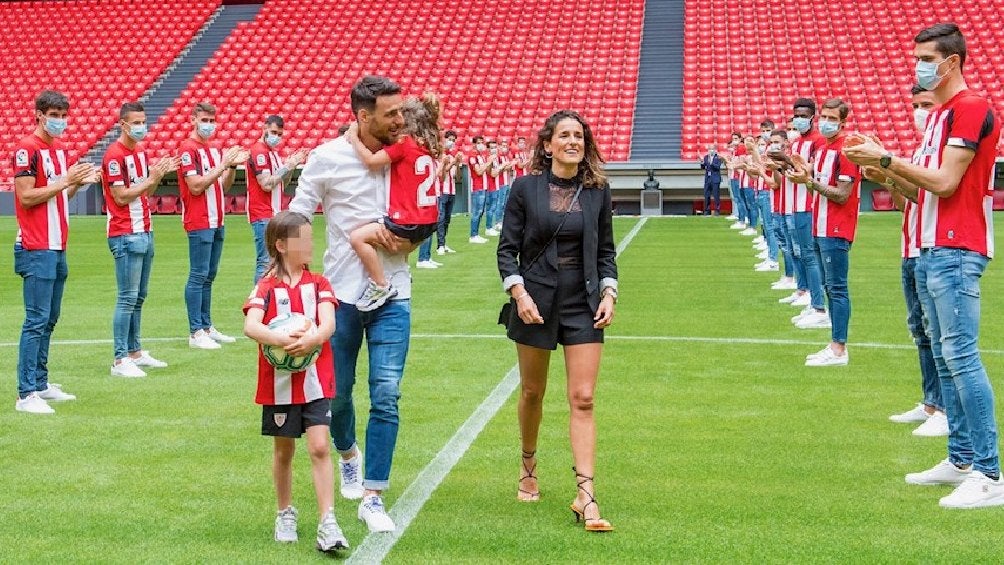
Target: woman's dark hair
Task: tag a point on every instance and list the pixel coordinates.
(591, 166)
(284, 225)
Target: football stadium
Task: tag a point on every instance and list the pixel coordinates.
(606, 281)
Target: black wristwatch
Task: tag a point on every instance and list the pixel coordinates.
(885, 161)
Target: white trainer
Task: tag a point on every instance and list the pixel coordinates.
(767, 266)
(789, 299)
(127, 368)
(440, 251)
(803, 313)
(804, 299)
(814, 321)
(944, 473)
(827, 358)
(449, 249)
(147, 360)
(748, 232)
(372, 512)
(477, 239)
(976, 491)
(785, 284)
(492, 232)
(738, 226)
(760, 247)
(731, 217)
(33, 405)
(285, 525)
(55, 392)
(201, 340)
(329, 536)
(352, 477)
(215, 335)
(758, 240)
(762, 255)
(915, 415)
(935, 426)
(426, 265)
(818, 353)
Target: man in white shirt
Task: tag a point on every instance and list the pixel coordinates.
(352, 196)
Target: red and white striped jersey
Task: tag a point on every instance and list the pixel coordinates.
(478, 182)
(276, 297)
(797, 197)
(830, 219)
(207, 209)
(45, 225)
(739, 152)
(448, 186)
(496, 181)
(911, 220)
(964, 219)
(263, 205)
(520, 157)
(124, 167)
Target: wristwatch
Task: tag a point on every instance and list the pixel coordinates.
(885, 161)
(612, 292)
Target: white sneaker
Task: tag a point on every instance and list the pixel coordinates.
(748, 232)
(426, 265)
(738, 226)
(760, 247)
(55, 392)
(146, 360)
(215, 335)
(944, 473)
(814, 321)
(758, 240)
(477, 239)
(126, 367)
(449, 249)
(766, 266)
(803, 313)
(436, 263)
(915, 415)
(375, 296)
(491, 232)
(827, 358)
(762, 255)
(818, 353)
(977, 491)
(440, 251)
(731, 217)
(285, 525)
(33, 404)
(804, 300)
(935, 426)
(352, 477)
(371, 511)
(329, 536)
(785, 284)
(201, 340)
(789, 299)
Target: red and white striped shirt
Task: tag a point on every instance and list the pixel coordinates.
(520, 157)
(263, 205)
(964, 219)
(124, 167)
(276, 297)
(43, 226)
(478, 182)
(206, 210)
(797, 197)
(911, 220)
(448, 186)
(830, 219)
(496, 178)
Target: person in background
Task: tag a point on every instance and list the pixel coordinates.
(496, 179)
(451, 161)
(478, 164)
(712, 166)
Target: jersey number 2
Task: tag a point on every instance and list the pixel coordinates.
(424, 165)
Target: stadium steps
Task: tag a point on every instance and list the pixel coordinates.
(659, 105)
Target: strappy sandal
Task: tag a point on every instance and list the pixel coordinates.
(591, 524)
(528, 473)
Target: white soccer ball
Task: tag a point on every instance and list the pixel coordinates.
(286, 324)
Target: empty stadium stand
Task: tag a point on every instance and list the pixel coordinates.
(656, 132)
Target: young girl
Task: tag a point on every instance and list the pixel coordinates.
(413, 211)
(294, 403)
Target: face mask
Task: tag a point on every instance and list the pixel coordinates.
(206, 130)
(927, 74)
(137, 132)
(765, 135)
(774, 147)
(793, 135)
(493, 150)
(481, 147)
(712, 151)
(829, 129)
(55, 126)
(450, 143)
(920, 118)
(272, 139)
(802, 124)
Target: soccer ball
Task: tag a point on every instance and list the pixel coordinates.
(277, 356)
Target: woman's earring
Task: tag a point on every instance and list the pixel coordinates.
(547, 154)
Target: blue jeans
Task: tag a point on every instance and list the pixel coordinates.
(763, 199)
(917, 323)
(44, 273)
(834, 253)
(948, 283)
(738, 203)
(752, 210)
(491, 207)
(804, 248)
(425, 249)
(789, 238)
(260, 250)
(387, 330)
(445, 213)
(477, 210)
(780, 230)
(501, 199)
(133, 254)
(204, 250)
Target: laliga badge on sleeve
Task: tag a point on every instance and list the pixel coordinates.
(260, 160)
(21, 158)
(114, 169)
(186, 159)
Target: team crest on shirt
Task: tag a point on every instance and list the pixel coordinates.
(21, 158)
(279, 419)
(260, 160)
(114, 169)
(186, 159)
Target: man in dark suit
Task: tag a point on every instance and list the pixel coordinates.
(712, 165)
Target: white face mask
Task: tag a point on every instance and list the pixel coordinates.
(793, 135)
(920, 118)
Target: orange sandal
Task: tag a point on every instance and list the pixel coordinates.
(591, 524)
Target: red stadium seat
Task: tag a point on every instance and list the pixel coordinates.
(882, 200)
(999, 200)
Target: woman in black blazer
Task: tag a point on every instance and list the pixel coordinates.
(556, 257)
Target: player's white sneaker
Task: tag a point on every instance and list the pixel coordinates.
(731, 217)
(814, 321)
(944, 473)
(33, 405)
(147, 360)
(762, 255)
(285, 525)
(126, 367)
(201, 340)
(215, 335)
(976, 491)
(738, 226)
(55, 392)
(491, 232)
(805, 312)
(329, 536)
(804, 300)
(440, 251)
(758, 240)
(789, 299)
(477, 239)
(915, 415)
(426, 265)
(827, 358)
(935, 426)
(766, 266)
(748, 232)
(352, 477)
(372, 512)
(785, 284)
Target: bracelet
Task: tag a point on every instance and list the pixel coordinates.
(520, 297)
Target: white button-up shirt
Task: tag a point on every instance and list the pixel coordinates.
(351, 196)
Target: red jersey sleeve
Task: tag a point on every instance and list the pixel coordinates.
(25, 161)
(397, 151)
(847, 171)
(113, 166)
(188, 157)
(258, 163)
(971, 121)
(324, 290)
(258, 296)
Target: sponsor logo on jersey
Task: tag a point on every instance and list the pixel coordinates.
(114, 169)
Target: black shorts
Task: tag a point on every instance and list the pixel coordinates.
(568, 321)
(292, 420)
(415, 233)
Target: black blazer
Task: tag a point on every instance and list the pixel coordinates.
(526, 229)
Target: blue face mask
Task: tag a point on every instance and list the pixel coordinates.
(802, 124)
(829, 129)
(927, 74)
(765, 135)
(206, 130)
(55, 126)
(137, 132)
(272, 139)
